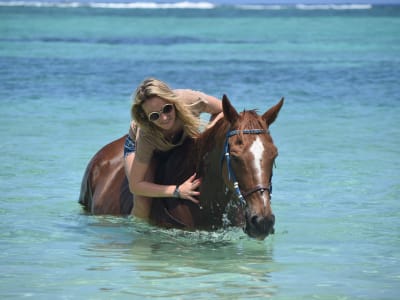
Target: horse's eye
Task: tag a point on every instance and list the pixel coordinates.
(239, 142)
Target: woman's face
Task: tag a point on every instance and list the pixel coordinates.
(156, 106)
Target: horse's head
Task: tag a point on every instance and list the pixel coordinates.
(249, 158)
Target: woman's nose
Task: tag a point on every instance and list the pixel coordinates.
(164, 116)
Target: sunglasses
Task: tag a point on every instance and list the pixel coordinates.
(155, 115)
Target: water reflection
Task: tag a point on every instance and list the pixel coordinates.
(221, 264)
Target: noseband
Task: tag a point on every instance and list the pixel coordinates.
(231, 175)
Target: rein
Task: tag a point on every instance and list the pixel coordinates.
(231, 175)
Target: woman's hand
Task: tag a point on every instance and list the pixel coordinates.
(214, 119)
(187, 190)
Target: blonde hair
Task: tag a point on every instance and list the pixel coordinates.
(152, 87)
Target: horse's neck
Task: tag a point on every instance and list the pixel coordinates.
(209, 148)
(212, 164)
(213, 189)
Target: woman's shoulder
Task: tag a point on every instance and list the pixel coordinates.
(195, 101)
(191, 96)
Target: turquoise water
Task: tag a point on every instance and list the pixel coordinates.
(66, 77)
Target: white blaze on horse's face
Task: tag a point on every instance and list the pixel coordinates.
(257, 149)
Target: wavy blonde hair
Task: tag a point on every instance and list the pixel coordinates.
(152, 87)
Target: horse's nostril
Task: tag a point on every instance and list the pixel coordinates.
(263, 223)
(254, 220)
(257, 220)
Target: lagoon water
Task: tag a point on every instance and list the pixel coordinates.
(66, 75)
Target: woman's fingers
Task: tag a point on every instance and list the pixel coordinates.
(192, 178)
(188, 189)
(196, 184)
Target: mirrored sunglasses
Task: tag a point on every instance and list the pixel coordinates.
(155, 115)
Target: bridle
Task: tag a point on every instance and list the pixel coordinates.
(241, 195)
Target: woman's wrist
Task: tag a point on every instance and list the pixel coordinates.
(176, 193)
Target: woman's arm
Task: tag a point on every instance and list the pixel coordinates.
(139, 184)
(200, 101)
(214, 105)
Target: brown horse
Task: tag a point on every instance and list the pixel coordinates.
(234, 158)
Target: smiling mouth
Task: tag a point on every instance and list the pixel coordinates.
(166, 122)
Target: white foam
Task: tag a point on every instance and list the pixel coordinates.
(261, 7)
(153, 5)
(182, 5)
(121, 5)
(333, 6)
(40, 4)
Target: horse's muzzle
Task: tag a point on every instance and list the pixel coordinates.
(259, 227)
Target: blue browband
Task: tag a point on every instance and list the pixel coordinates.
(231, 174)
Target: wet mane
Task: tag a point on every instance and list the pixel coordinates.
(205, 142)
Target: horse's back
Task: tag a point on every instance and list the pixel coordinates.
(105, 188)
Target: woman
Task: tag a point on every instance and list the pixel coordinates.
(162, 119)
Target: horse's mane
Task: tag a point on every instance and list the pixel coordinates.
(206, 141)
(251, 120)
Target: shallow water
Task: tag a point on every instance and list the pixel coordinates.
(66, 78)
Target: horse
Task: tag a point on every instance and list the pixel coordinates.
(234, 159)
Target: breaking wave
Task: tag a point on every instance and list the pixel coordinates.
(182, 5)
(114, 5)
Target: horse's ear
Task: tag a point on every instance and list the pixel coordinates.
(270, 115)
(230, 112)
